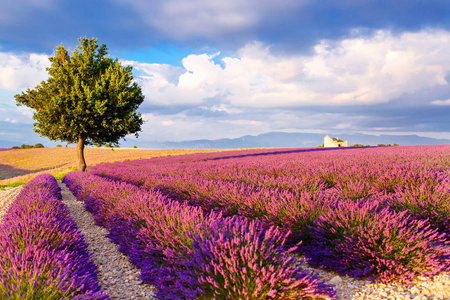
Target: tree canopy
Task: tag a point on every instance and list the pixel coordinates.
(88, 98)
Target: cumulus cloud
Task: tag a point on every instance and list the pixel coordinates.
(168, 72)
(381, 82)
(21, 71)
(169, 85)
(181, 127)
(355, 71)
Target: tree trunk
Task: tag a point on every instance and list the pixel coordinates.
(80, 154)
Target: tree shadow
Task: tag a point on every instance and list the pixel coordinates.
(7, 171)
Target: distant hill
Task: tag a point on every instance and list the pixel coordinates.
(279, 140)
(295, 139)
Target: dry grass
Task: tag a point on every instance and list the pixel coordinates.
(20, 166)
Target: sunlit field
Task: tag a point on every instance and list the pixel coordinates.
(20, 165)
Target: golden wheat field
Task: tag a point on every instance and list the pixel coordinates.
(19, 166)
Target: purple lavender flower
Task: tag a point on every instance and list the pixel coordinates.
(166, 238)
(44, 256)
(239, 259)
(363, 239)
(292, 188)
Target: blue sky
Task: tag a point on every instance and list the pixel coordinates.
(224, 69)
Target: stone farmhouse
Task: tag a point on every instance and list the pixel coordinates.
(333, 142)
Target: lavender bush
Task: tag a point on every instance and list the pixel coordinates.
(362, 239)
(271, 206)
(43, 255)
(242, 260)
(425, 203)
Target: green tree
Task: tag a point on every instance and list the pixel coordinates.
(88, 99)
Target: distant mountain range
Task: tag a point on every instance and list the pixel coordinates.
(292, 139)
(280, 140)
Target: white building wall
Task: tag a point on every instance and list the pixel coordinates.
(330, 143)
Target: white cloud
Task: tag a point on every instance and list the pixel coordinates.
(346, 125)
(11, 120)
(21, 71)
(352, 71)
(200, 80)
(185, 127)
(168, 72)
(258, 90)
(379, 69)
(188, 127)
(243, 122)
(397, 131)
(441, 102)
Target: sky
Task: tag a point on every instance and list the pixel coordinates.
(213, 69)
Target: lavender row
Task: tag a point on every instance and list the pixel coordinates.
(43, 255)
(188, 254)
(410, 190)
(416, 179)
(381, 169)
(273, 207)
(384, 253)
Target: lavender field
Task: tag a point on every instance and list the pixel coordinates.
(238, 225)
(43, 255)
(218, 225)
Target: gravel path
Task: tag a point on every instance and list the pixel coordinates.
(120, 279)
(348, 288)
(117, 276)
